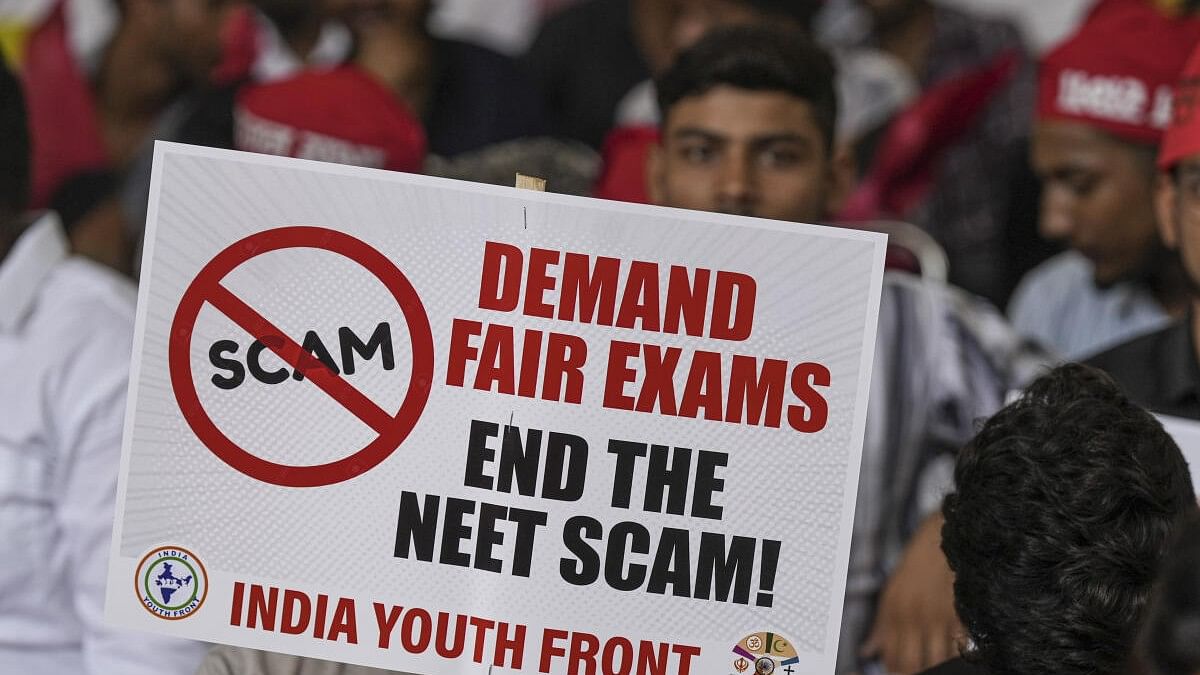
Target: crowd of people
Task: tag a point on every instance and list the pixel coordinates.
(1063, 188)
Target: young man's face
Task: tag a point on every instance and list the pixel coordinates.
(189, 32)
(754, 153)
(1097, 196)
(1178, 203)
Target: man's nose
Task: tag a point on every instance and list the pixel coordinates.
(1057, 221)
(737, 186)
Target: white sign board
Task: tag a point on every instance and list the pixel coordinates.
(441, 427)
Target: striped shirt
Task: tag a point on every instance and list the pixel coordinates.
(944, 360)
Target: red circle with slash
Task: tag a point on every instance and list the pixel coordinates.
(392, 429)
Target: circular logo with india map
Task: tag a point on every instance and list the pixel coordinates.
(765, 654)
(171, 582)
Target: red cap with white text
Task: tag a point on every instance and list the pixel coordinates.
(341, 115)
(1119, 70)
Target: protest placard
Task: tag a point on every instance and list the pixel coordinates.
(440, 427)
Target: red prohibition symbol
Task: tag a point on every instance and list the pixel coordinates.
(392, 428)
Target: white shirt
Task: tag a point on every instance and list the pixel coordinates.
(66, 329)
(1059, 305)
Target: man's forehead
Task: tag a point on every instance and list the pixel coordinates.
(731, 112)
(1058, 142)
(1068, 133)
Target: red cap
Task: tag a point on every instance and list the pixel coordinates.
(1117, 72)
(341, 115)
(1183, 136)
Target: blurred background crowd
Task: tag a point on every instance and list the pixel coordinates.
(473, 88)
(1034, 163)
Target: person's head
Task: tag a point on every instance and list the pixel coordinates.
(184, 33)
(1103, 102)
(14, 157)
(748, 128)
(88, 204)
(1178, 197)
(1170, 637)
(1065, 502)
(1097, 197)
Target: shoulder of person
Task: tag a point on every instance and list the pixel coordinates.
(1065, 266)
(86, 294)
(1062, 276)
(1129, 356)
(83, 329)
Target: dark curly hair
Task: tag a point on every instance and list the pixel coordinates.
(1066, 500)
(1170, 643)
(756, 58)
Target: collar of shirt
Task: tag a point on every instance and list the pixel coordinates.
(35, 253)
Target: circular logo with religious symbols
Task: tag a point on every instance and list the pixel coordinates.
(765, 654)
(171, 582)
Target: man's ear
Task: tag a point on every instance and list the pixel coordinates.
(1166, 209)
(841, 179)
(656, 174)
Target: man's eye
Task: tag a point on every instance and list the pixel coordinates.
(697, 154)
(1081, 185)
(1189, 184)
(780, 158)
